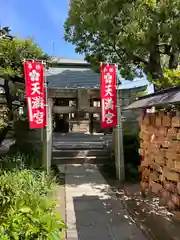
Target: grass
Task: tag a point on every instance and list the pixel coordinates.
(27, 206)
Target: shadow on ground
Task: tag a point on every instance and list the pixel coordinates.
(154, 220)
(104, 219)
(98, 212)
(118, 207)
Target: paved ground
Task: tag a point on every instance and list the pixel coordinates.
(92, 210)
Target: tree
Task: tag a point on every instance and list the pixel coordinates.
(12, 53)
(5, 33)
(132, 33)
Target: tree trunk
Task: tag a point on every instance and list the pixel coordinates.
(154, 66)
(154, 62)
(174, 58)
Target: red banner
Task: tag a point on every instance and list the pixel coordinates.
(35, 94)
(108, 96)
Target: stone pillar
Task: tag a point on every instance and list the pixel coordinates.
(91, 125)
(71, 115)
(66, 116)
(83, 104)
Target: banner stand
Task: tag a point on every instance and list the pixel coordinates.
(119, 150)
(37, 102)
(45, 155)
(111, 113)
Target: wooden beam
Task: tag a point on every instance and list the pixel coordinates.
(91, 109)
(94, 93)
(72, 93)
(61, 109)
(62, 93)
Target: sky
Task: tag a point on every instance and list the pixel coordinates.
(41, 19)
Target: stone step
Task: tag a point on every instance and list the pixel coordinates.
(80, 160)
(79, 147)
(72, 156)
(79, 141)
(83, 153)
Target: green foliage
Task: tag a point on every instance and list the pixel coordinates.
(21, 161)
(131, 146)
(131, 156)
(143, 33)
(171, 78)
(12, 54)
(131, 159)
(26, 208)
(142, 93)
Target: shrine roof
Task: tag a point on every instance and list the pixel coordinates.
(72, 77)
(160, 98)
(76, 73)
(71, 73)
(67, 61)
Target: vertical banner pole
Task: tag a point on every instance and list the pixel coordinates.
(120, 171)
(45, 137)
(119, 150)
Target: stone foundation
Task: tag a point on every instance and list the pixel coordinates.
(81, 126)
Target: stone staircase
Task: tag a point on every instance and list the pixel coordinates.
(81, 148)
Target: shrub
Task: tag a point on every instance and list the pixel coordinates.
(131, 158)
(26, 208)
(131, 155)
(20, 161)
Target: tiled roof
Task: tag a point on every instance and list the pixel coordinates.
(77, 73)
(62, 60)
(160, 98)
(65, 77)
